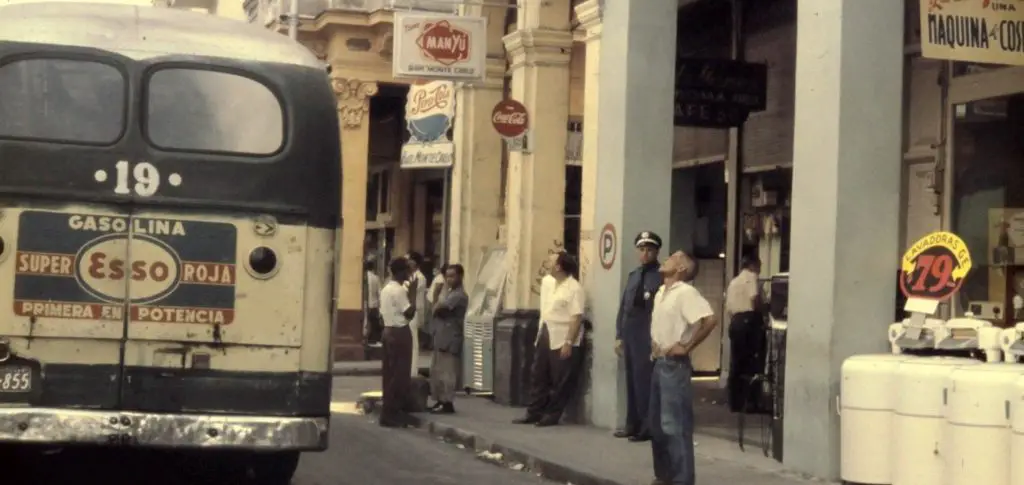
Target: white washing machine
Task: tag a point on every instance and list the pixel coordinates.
(867, 396)
(976, 446)
(919, 419)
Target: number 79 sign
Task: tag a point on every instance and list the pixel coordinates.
(934, 267)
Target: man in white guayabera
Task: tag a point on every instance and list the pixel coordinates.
(415, 263)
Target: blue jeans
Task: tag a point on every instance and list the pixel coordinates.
(671, 417)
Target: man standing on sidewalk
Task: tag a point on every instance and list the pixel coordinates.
(558, 358)
(747, 339)
(419, 299)
(397, 310)
(449, 312)
(681, 320)
(633, 335)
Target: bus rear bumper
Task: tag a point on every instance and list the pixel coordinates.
(57, 426)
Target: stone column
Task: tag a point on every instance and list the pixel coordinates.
(846, 190)
(589, 15)
(633, 163)
(353, 117)
(476, 176)
(539, 51)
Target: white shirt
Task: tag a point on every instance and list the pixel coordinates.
(560, 303)
(741, 293)
(372, 290)
(434, 284)
(421, 298)
(677, 309)
(394, 301)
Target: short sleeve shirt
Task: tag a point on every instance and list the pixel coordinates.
(677, 309)
(561, 303)
(394, 301)
(741, 293)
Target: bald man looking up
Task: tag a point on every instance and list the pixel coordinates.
(680, 321)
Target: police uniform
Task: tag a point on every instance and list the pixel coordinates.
(633, 329)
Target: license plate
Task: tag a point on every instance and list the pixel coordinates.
(15, 379)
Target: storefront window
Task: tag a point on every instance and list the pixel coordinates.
(988, 205)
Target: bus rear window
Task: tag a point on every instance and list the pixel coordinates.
(210, 111)
(61, 100)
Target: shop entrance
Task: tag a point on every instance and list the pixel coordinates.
(986, 145)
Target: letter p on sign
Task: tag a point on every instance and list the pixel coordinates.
(607, 246)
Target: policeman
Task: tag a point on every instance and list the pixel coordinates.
(633, 335)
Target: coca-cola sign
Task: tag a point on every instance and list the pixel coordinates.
(510, 118)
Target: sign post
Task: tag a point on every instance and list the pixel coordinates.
(931, 271)
(511, 120)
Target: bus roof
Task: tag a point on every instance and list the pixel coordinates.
(142, 32)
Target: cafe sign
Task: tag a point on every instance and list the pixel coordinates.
(718, 93)
(984, 31)
(429, 111)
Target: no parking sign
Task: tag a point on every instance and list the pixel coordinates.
(607, 246)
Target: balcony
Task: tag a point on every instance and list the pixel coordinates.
(268, 11)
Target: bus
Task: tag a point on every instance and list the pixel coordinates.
(169, 218)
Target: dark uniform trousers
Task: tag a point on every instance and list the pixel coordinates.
(555, 380)
(633, 327)
(747, 346)
(396, 371)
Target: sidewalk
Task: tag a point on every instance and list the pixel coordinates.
(583, 455)
(372, 367)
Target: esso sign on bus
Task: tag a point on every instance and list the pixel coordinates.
(510, 118)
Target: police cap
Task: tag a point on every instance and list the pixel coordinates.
(647, 238)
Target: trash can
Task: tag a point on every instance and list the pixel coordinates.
(866, 401)
(514, 334)
(778, 322)
(919, 420)
(976, 446)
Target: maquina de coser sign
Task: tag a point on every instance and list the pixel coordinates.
(718, 93)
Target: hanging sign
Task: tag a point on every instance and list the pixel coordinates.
(429, 111)
(934, 268)
(511, 120)
(985, 31)
(718, 93)
(437, 46)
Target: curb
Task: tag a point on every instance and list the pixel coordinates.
(510, 455)
(364, 371)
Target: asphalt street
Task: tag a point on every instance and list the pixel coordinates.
(360, 452)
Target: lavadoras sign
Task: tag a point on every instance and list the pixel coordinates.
(429, 111)
(986, 31)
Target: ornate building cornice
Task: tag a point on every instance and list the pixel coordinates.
(589, 14)
(353, 100)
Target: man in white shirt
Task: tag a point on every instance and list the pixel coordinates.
(396, 310)
(557, 361)
(416, 324)
(743, 311)
(680, 321)
(373, 325)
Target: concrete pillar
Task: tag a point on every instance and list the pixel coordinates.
(476, 176)
(846, 187)
(634, 165)
(539, 52)
(353, 116)
(421, 220)
(589, 15)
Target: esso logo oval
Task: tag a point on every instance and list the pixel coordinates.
(102, 270)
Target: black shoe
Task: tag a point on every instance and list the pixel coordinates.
(547, 421)
(444, 408)
(436, 407)
(527, 420)
(623, 433)
(640, 438)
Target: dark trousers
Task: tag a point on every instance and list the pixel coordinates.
(639, 367)
(375, 326)
(396, 372)
(672, 421)
(747, 348)
(555, 380)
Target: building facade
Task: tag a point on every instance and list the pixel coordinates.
(863, 146)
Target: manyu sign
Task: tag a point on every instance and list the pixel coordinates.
(436, 46)
(429, 110)
(985, 31)
(718, 93)
(512, 122)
